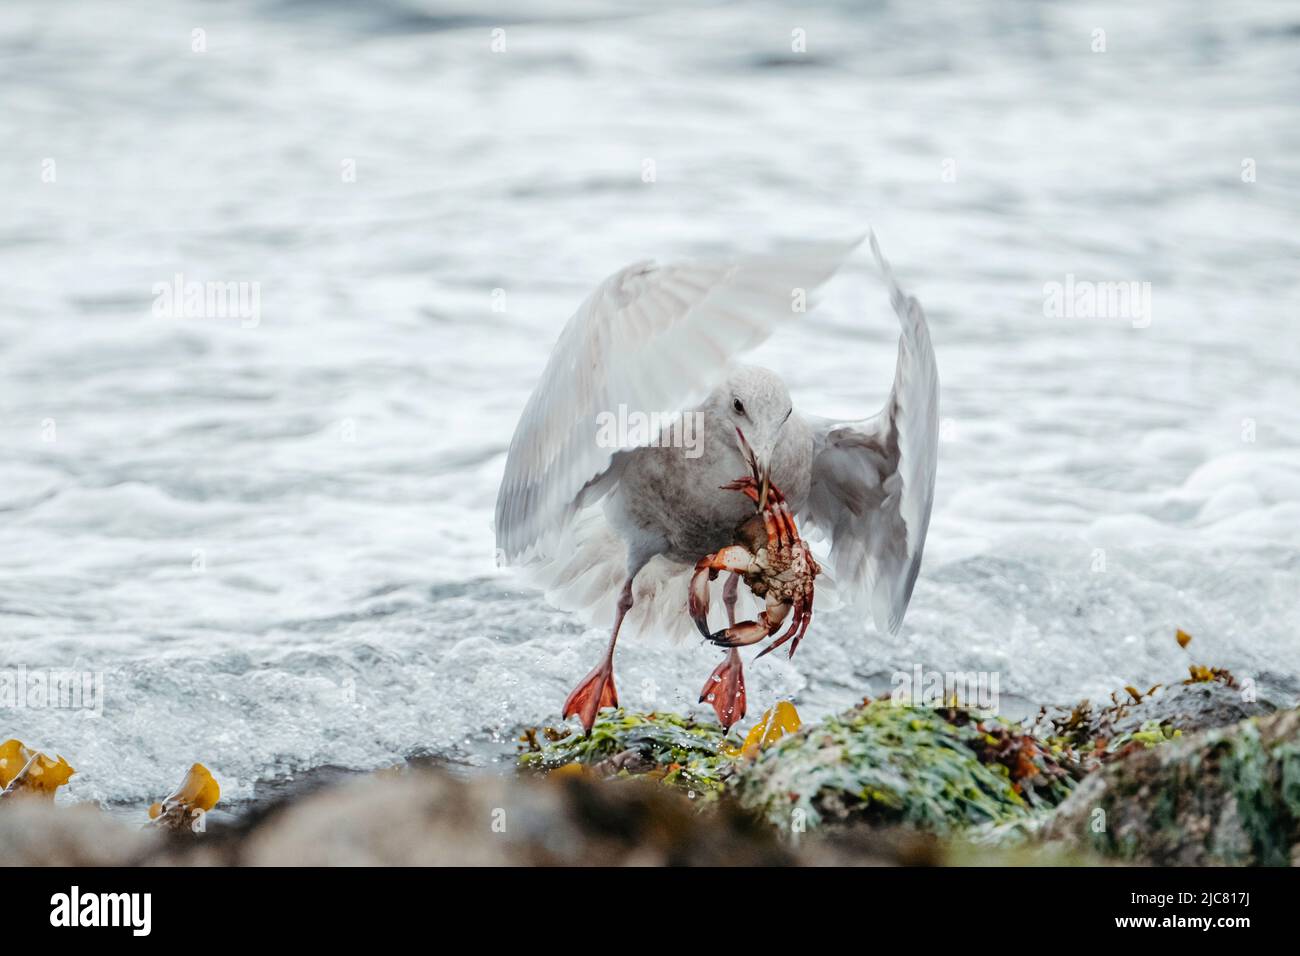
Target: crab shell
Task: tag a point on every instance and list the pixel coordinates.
(789, 580)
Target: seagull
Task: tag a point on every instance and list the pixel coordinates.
(591, 512)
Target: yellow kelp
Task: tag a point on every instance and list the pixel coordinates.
(27, 771)
(775, 723)
(185, 807)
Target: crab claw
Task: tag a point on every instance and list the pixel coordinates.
(733, 558)
(697, 602)
(740, 635)
(725, 690)
(751, 632)
(748, 485)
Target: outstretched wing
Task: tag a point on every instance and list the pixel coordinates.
(651, 339)
(873, 480)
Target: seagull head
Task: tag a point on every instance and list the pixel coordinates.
(756, 404)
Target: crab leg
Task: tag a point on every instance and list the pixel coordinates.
(784, 516)
(807, 619)
(771, 520)
(777, 519)
(795, 621)
(798, 626)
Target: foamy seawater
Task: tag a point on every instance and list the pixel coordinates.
(272, 535)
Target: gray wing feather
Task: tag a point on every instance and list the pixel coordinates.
(873, 480)
(651, 338)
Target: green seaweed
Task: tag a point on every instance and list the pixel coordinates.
(1262, 780)
(1086, 738)
(680, 751)
(937, 770)
(1229, 795)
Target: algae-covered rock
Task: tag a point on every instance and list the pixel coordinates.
(678, 750)
(1194, 706)
(1087, 736)
(1229, 795)
(936, 770)
(1184, 707)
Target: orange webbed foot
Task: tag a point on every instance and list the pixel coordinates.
(725, 690)
(594, 692)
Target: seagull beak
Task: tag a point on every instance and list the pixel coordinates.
(762, 472)
(748, 454)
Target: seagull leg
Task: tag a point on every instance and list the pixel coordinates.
(725, 688)
(729, 597)
(597, 689)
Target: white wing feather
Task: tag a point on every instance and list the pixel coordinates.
(650, 338)
(873, 480)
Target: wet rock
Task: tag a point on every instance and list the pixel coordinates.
(1088, 736)
(424, 819)
(1228, 795)
(42, 833)
(567, 819)
(878, 784)
(1193, 707)
(432, 819)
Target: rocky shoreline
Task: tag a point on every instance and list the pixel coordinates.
(1193, 773)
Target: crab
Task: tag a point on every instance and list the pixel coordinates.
(777, 565)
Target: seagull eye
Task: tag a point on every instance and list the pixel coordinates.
(738, 406)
